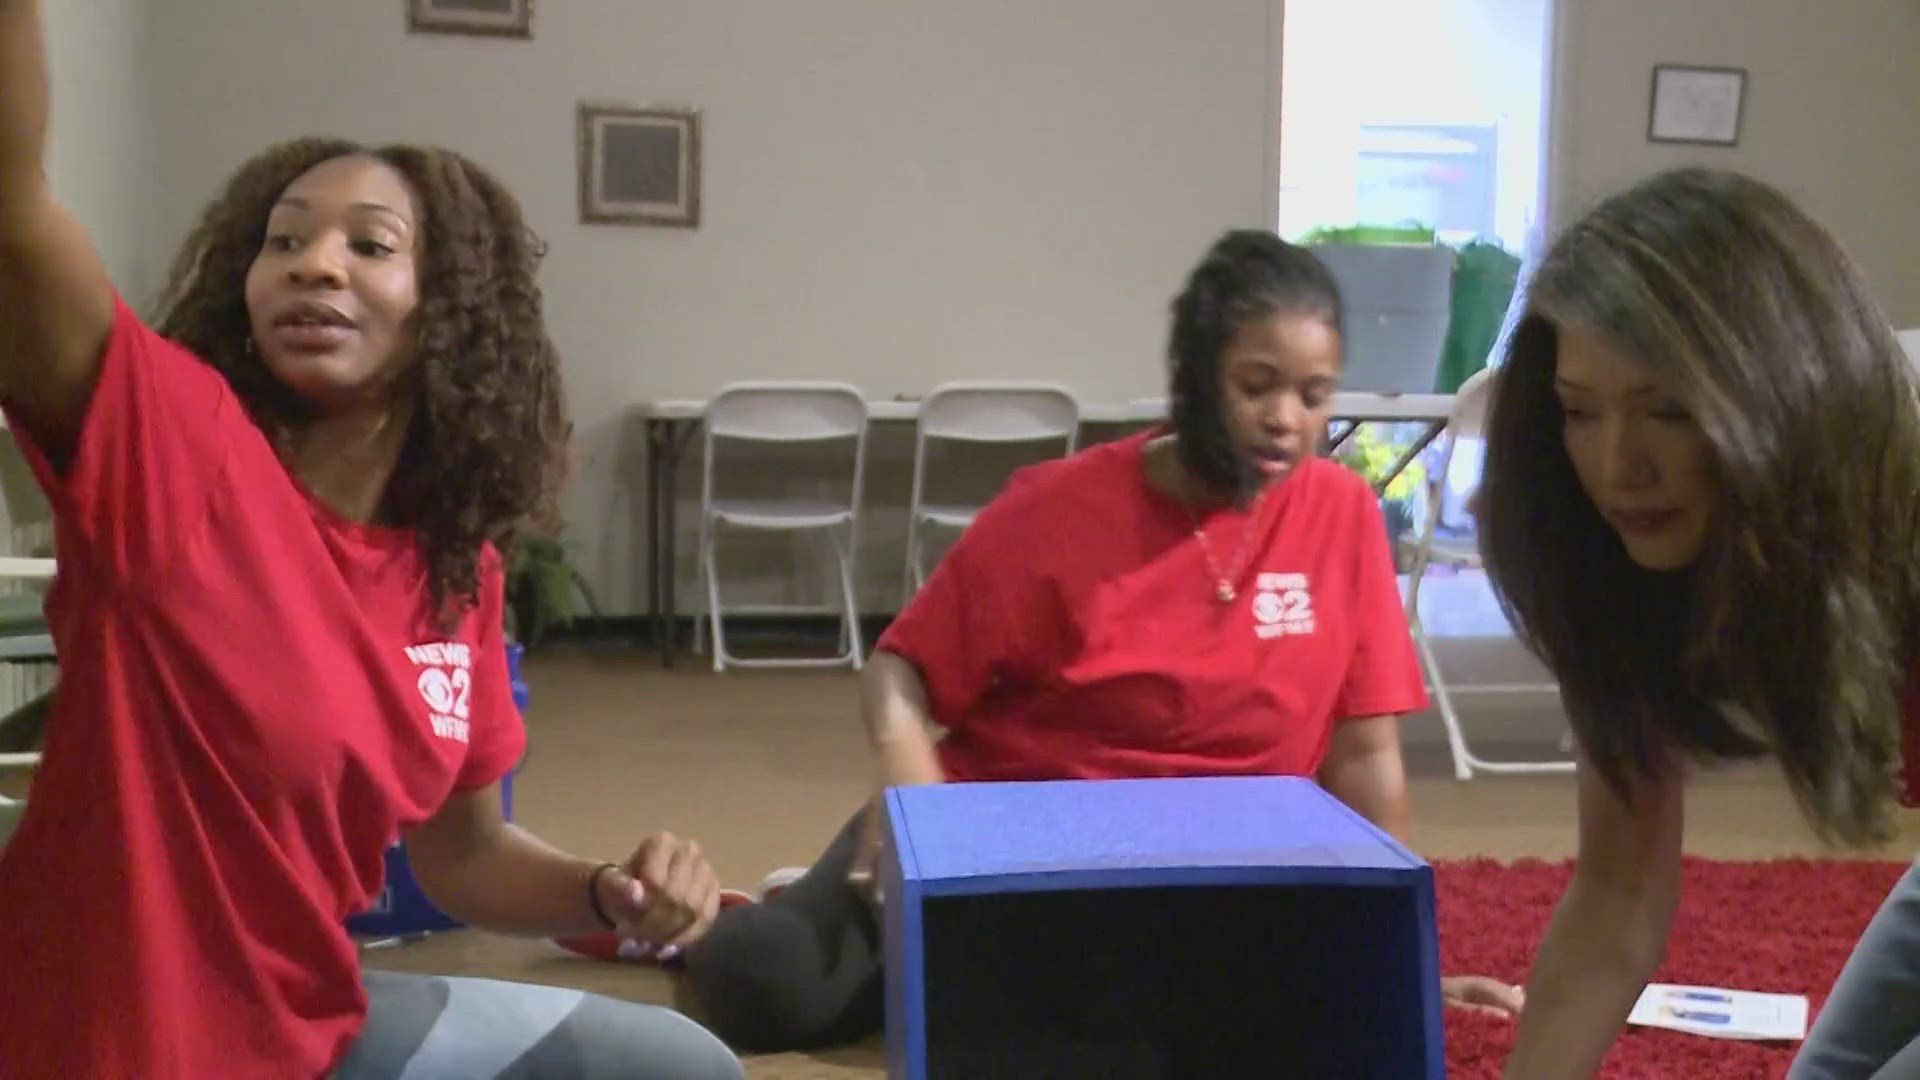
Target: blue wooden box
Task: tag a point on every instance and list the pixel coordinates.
(1164, 929)
(403, 907)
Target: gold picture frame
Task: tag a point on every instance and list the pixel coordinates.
(482, 18)
(639, 165)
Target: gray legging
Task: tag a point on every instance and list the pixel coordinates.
(797, 972)
(1870, 1028)
(424, 1027)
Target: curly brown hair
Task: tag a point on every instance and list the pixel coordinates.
(1796, 632)
(485, 451)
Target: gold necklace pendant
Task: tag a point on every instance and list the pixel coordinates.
(1223, 589)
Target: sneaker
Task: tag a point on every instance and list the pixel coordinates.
(608, 945)
(771, 885)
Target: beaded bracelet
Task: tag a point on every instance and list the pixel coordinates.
(593, 894)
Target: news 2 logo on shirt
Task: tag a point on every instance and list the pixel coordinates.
(446, 684)
(1282, 606)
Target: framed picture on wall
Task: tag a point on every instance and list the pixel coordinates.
(490, 18)
(639, 165)
(1699, 106)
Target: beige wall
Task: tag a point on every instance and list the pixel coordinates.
(897, 191)
(901, 191)
(1832, 107)
(100, 125)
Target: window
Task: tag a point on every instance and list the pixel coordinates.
(1426, 111)
(1417, 112)
(1435, 175)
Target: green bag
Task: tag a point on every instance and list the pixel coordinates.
(1409, 233)
(1484, 278)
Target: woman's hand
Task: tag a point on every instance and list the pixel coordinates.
(665, 897)
(1477, 993)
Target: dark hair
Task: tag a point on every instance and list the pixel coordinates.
(1246, 276)
(485, 449)
(1793, 633)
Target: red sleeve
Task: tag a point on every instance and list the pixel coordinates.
(496, 735)
(960, 628)
(1383, 676)
(152, 441)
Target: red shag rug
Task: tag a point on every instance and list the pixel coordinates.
(1783, 926)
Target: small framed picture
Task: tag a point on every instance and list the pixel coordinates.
(488, 18)
(1701, 106)
(639, 166)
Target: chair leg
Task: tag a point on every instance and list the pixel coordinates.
(910, 571)
(850, 611)
(715, 617)
(1465, 761)
(700, 589)
(1456, 740)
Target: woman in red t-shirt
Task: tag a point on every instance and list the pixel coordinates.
(1700, 509)
(1212, 599)
(279, 621)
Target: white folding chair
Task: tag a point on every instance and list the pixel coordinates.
(1468, 421)
(787, 414)
(1910, 341)
(27, 663)
(24, 643)
(979, 412)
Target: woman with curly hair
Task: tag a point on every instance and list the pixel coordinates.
(1701, 509)
(279, 619)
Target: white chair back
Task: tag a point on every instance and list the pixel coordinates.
(787, 412)
(1000, 413)
(1470, 405)
(1910, 341)
(29, 514)
(980, 412)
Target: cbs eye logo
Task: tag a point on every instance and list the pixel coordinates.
(447, 693)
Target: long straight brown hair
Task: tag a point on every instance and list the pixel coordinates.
(1794, 632)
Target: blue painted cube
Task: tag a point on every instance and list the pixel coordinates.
(403, 907)
(1167, 928)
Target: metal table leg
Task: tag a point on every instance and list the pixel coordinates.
(1434, 428)
(666, 444)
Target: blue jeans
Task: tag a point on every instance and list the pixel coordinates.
(1870, 1028)
(430, 1027)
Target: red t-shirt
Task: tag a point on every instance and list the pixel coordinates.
(253, 703)
(1074, 631)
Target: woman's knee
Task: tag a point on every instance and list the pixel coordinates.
(457, 1026)
(764, 990)
(617, 1039)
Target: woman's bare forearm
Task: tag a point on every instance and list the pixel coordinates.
(56, 303)
(893, 701)
(1610, 931)
(23, 101)
(1595, 959)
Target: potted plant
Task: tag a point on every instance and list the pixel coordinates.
(544, 590)
(1372, 452)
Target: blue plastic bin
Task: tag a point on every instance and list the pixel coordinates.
(1159, 929)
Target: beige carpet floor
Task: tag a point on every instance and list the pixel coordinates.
(761, 767)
